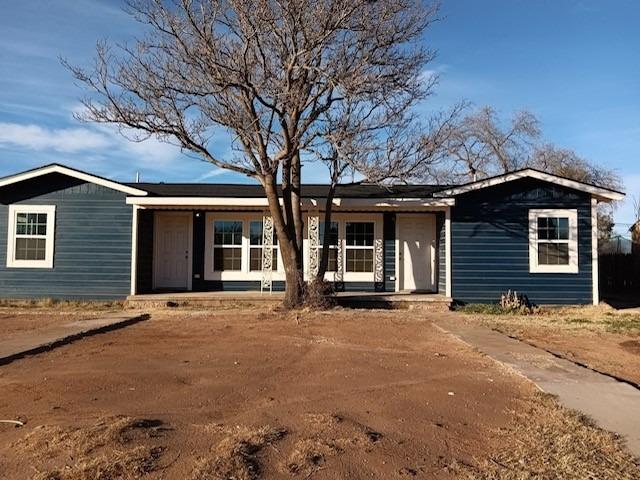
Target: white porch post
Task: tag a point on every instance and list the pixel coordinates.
(447, 248)
(267, 254)
(134, 248)
(313, 234)
(595, 274)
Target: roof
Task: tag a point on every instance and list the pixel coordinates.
(601, 193)
(371, 192)
(71, 172)
(355, 190)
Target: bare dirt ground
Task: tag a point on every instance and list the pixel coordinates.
(599, 337)
(248, 394)
(20, 322)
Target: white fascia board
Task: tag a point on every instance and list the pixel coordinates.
(599, 192)
(70, 172)
(312, 203)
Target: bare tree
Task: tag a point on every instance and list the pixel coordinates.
(277, 75)
(481, 145)
(567, 163)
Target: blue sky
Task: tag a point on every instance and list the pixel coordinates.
(574, 63)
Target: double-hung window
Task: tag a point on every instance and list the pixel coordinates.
(31, 236)
(332, 234)
(359, 246)
(255, 247)
(553, 241)
(227, 245)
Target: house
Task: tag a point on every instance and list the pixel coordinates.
(68, 234)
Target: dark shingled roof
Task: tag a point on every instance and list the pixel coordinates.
(308, 191)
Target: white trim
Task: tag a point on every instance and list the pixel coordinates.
(189, 215)
(447, 250)
(307, 203)
(599, 192)
(70, 172)
(50, 210)
(134, 248)
(572, 215)
(595, 274)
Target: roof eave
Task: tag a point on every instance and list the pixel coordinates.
(87, 177)
(602, 194)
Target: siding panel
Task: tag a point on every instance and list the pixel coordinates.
(490, 244)
(92, 259)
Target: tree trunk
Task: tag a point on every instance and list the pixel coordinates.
(289, 248)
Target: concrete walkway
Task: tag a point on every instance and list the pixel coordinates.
(613, 405)
(36, 341)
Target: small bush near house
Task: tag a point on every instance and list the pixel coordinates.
(511, 303)
(319, 294)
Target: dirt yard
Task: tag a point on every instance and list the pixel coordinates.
(249, 394)
(599, 337)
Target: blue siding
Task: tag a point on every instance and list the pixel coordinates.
(92, 249)
(389, 238)
(490, 244)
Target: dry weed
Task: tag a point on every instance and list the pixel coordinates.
(235, 456)
(114, 448)
(549, 441)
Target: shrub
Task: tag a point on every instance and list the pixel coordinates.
(319, 294)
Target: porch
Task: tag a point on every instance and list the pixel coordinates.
(189, 251)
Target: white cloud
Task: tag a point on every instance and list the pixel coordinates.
(66, 140)
(216, 172)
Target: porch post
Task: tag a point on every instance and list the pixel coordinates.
(595, 270)
(267, 254)
(447, 249)
(134, 249)
(313, 225)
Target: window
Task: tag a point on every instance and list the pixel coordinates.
(332, 261)
(255, 247)
(553, 241)
(359, 246)
(227, 245)
(31, 236)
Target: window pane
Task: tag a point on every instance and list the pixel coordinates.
(227, 259)
(30, 249)
(553, 228)
(359, 260)
(553, 254)
(359, 234)
(255, 260)
(227, 232)
(332, 233)
(332, 261)
(563, 228)
(255, 234)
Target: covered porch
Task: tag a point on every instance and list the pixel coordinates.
(227, 246)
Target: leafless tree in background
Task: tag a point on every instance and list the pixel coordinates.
(289, 80)
(480, 144)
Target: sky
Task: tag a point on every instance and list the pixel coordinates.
(573, 63)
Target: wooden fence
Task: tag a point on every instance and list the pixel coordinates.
(619, 273)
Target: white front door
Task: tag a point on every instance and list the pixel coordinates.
(417, 239)
(172, 252)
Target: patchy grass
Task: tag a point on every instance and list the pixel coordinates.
(63, 305)
(592, 318)
(560, 444)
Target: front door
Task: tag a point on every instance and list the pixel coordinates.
(417, 235)
(172, 250)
